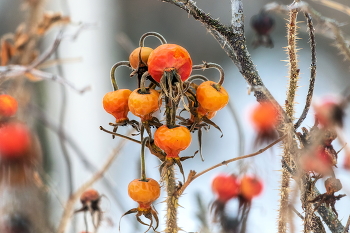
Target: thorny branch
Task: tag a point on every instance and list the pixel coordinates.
(233, 43)
(330, 27)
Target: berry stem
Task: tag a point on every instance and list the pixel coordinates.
(114, 67)
(209, 65)
(143, 162)
(143, 82)
(155, 34)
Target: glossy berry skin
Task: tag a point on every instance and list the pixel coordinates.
(116, 103)
(211, 96)
(143, 105)
(8, 105)
(173, 140)
(167, 57)
(225, 187)
(264, 117)
(15, 140)
(134, 57)
(144, 192)
(250, 187)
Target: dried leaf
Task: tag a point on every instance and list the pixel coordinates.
(50, 19)
(7, 51)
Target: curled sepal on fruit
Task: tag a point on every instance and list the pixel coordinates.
(144, 192)
(8, 105)
(168, 57)
(90, 200)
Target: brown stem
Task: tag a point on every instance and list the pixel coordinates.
(193, 175)
(288, 128)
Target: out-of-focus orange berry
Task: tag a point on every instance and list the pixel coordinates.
(172, 140)
(135, 55)
(14, 140)
(250, 187)
(167, 57)
(264, 117)
(8, 105)
(225, 187)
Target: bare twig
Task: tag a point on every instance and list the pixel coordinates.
(68, 210)
(193, 175)
(346, 228)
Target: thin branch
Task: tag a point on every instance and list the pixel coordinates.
(312, 70)
(193, 175)
(120, 135)
(68, 210)
(66, 156)
(346, 228)
(330, 27)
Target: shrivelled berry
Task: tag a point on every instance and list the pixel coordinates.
(262, 24)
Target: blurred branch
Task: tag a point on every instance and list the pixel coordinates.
(31, 71)
(334, 5)
(68, 210)
(62, 134)
(332, 25)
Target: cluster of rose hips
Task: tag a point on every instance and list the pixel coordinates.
(171, 87)
(17, 151)
(229, 187)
